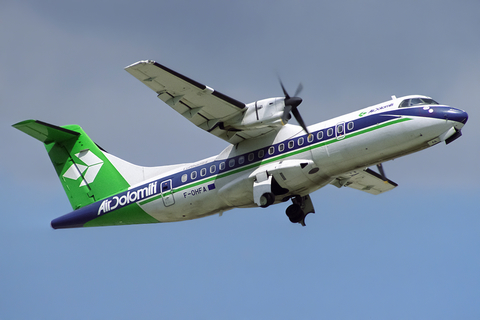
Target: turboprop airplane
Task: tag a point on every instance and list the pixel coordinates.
(267, 161)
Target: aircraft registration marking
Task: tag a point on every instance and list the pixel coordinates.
(195, 192)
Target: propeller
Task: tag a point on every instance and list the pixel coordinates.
(291, 105)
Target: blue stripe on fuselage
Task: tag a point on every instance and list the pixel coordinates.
(83, 215)
(436, 112)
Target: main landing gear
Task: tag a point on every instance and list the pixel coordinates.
(265, 188)
(301, 207)
(296, 212)
(267, 199)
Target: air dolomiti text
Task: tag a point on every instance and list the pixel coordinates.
(130, 196)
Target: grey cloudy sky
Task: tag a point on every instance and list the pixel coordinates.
(410, 253)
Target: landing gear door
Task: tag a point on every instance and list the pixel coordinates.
(167, 194)
(262, 190)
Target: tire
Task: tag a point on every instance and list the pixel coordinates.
(267, 199)
(295, 213)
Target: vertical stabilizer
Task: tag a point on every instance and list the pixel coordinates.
(83, 169)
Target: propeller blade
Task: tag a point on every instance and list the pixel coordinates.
(299, 119)
(286, 114)
(299, 89)
(283, 88)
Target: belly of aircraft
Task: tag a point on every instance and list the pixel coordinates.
(187, 204)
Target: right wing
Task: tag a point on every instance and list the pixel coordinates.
(364, 180)
(200, 104)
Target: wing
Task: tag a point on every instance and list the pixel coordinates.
(364, 180)
(206, 108)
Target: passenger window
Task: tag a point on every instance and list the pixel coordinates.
(231, 163)
(291, 144)
(271, 150)
(193, 175)
(203, 172)
(340, 129)
(320, 135)
(300, 141)
(310, 138)
(350, 126)
(281, 147)
(222, 166)
(184, 177)
(261, 153)
(213, 168)
(329, 132)
(251, 156)
(241, 160)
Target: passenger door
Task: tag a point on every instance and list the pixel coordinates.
(167, 193)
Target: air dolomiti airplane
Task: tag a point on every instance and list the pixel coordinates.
(268, 161)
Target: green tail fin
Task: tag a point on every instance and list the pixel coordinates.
(84, 171)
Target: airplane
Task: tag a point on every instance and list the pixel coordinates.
(267, 161)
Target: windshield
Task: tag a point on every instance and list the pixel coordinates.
(416, 102)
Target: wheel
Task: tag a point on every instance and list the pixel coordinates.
(295, 213)
(267, 199)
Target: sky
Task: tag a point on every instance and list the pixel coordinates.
(411, 253)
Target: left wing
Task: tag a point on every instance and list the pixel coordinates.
(364, 180)
(200, 104)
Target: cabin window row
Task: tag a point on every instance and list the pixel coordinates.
(261, 153)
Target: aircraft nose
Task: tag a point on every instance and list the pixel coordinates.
(456, 115)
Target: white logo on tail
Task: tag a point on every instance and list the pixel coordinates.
(88, 172)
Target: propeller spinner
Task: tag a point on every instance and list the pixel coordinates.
(291, 105)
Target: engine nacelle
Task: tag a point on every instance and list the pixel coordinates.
(261, 114)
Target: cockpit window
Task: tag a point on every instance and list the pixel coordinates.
(416, 102)
(404, 104)
(429, 101)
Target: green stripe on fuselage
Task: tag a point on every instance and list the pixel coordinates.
(131, 214)
(279, 157)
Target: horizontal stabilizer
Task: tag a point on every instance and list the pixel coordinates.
(83, 168)
(45, 132)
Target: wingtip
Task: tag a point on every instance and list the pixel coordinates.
(19, 124)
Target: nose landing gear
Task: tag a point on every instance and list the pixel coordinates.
(299, 209)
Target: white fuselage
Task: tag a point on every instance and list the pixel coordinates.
(299, 163)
